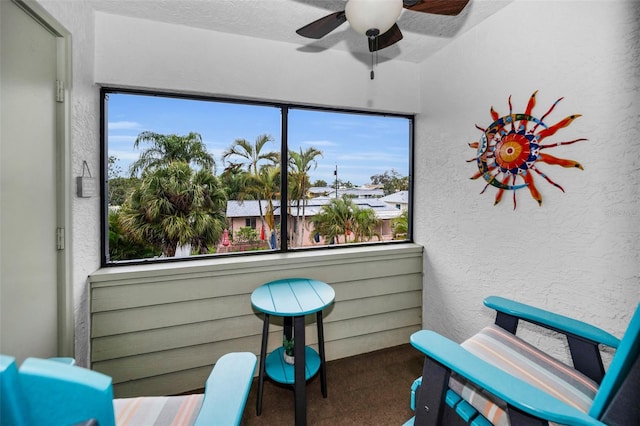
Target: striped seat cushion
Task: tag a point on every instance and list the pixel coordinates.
(157, 410)
(496, 346)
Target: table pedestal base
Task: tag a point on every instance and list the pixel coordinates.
(307, 363)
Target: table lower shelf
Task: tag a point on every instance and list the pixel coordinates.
(282, 372)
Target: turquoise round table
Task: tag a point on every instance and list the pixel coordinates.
(293, 299)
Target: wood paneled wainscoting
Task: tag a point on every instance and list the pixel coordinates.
(158, 329)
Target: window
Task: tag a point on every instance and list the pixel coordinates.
(196, 176)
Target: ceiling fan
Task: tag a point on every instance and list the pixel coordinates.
(377, 18)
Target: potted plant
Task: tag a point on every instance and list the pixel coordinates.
(288, 350)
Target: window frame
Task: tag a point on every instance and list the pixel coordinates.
(284, 112)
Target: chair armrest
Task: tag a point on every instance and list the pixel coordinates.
(62, 394)
(513, 391)
(226, 390)
(14, 408)
(551, 320)
(64, 360)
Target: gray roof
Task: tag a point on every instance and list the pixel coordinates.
(249, 208)
(355, 192)
(361, 192)
(401, 197)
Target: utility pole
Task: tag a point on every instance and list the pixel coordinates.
(335, 173)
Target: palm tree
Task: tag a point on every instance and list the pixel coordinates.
(166, 149)
(335, 219)
(343, 217)
(234, 179)
(122, 246)
(400, 225)
(365, 225)
(176, 206)
(300, 163)
(266, 186)
(251, 155)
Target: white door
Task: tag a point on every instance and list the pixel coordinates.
(28, 250)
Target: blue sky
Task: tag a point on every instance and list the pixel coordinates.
(359, 145)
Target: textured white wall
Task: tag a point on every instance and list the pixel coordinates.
(83, 239)
(577, 254)
(179, 58)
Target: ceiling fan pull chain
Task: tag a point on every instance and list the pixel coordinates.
(374, 58)
(372, 74)
(372, 35)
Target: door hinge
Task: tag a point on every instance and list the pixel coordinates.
(60, 238)
(59, 91)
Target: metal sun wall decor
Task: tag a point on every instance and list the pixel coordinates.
(511, 147)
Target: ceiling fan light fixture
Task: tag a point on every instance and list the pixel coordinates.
(365, 15)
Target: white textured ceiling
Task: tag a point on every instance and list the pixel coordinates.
(278, 20)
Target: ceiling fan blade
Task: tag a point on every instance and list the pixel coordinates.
(438, 7)
(323, 26)
(392, 36)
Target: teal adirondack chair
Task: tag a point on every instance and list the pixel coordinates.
(497, 378)
(54, 393)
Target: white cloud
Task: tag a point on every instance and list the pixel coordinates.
(124, 125)
(122, 138)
